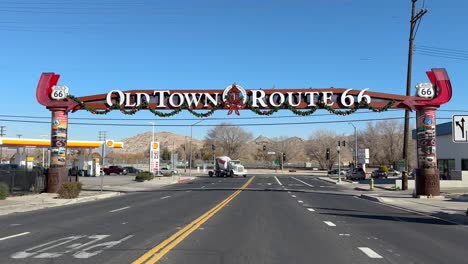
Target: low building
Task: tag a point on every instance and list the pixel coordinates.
(451, 156)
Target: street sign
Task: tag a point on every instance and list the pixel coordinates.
(460, 129)
(271, 153)
(363, 156)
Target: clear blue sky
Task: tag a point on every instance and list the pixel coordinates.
(98, 46)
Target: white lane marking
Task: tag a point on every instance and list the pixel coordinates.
(203, 186)
(326, 186)
(15, 224)
(369, 252)
(310, 209)
(293, 196)
(12, 236)
(165, 197)
(329, 223)
(212, 183)
(345, 235)
(120, 209)
(278, 181)
(302, 182)
(300, 201)
(289, 192)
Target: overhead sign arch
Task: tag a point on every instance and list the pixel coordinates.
(234, 98)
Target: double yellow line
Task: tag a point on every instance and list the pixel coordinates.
(156, 253)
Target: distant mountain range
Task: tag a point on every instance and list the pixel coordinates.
(139, 143)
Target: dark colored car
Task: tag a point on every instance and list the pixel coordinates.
(379, 174)
(131, 169)
(115, 169)
(356, 174)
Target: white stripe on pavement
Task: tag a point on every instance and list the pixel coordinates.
(165, 197)
(120, 209)
(310, 209)
(329, 223)
(293, 196)
(300, 201)
(302, 182)
(278, 181)
(369, 252)
(12, 236)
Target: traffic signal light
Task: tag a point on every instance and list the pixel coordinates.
(328, 154)
(264, 147)
(213, 147)
(284, 156)
(344, 143)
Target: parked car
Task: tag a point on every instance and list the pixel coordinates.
(131, 169)
(165, 171)
(394, 173)
(356, 174)
(334, 172)
(115, 169)
(412, 173)
(379, 174)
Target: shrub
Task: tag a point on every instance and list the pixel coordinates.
(384, 168)
(4, 191)
(70, 190)
(144, 176)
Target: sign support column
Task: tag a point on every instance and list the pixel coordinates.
(58, 173)
(427, 176)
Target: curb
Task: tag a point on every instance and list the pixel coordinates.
(186, 180)
(374, 198)
(93, 197)
(362, 189)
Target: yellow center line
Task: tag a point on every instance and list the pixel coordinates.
(164, 247)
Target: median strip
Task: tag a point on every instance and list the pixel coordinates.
(157, 252)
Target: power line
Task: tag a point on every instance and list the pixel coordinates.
(212, 125)
(182, 119)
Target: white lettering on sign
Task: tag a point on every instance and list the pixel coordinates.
(83, 246)
(258, 98)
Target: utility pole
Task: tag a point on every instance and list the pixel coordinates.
(415, 18)
(355, 146)
(2, 134)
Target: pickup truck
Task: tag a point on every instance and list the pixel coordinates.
(115, 169)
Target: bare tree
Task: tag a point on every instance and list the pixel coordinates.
(293, 147)
(384, 140)
(317, 147)
(228, 139)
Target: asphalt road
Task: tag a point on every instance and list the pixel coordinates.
(283, 219)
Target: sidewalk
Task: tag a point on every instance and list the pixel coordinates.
(113, 186)
(451, 206)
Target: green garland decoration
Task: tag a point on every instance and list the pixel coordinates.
(248, 105)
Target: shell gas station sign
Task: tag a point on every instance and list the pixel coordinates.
(154, 157)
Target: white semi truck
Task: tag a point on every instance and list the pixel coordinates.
(225, 167)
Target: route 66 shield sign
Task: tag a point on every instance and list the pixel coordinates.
(425, 90)
(59, 92)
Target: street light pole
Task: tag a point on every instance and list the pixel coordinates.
(43, 155)
(355, 146)
(190, 161)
